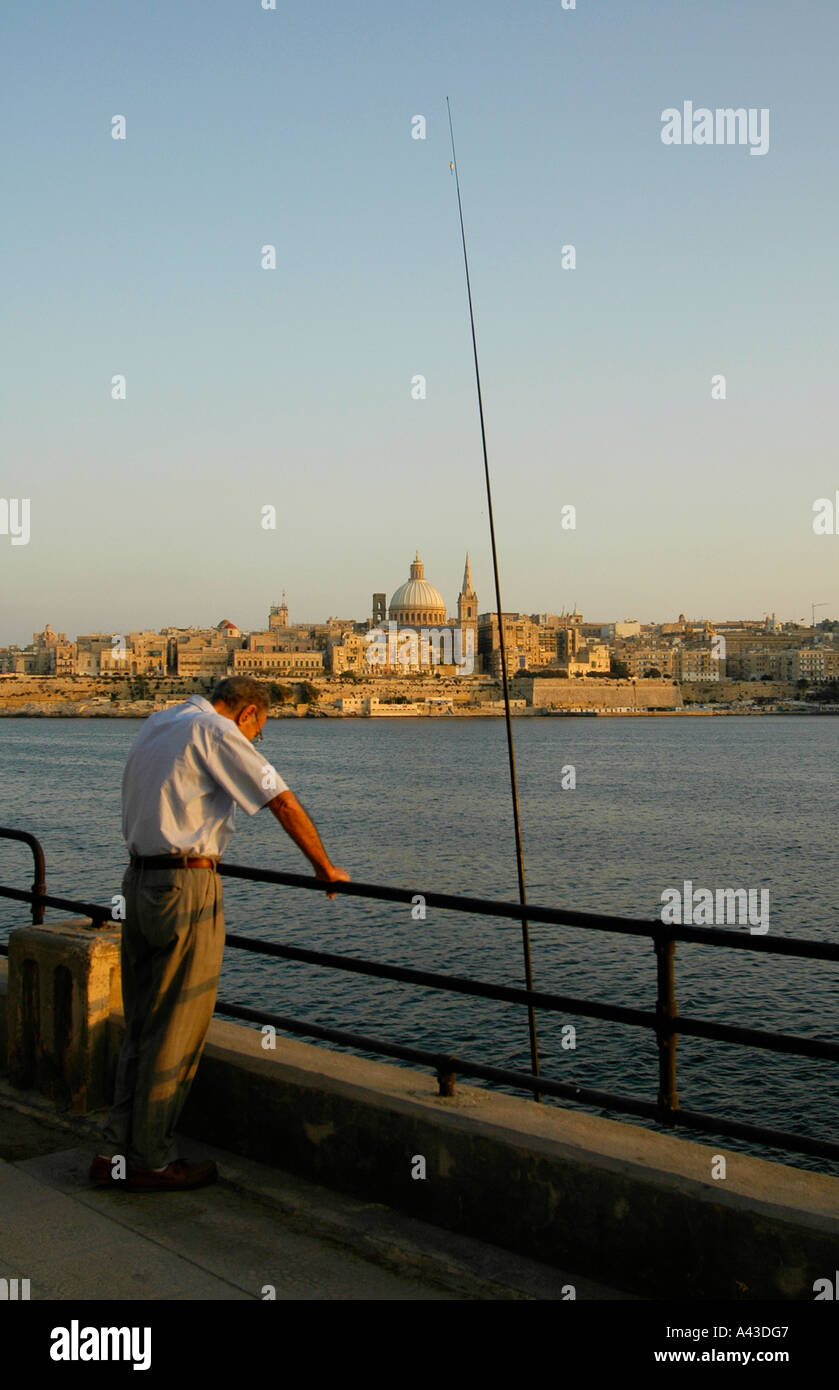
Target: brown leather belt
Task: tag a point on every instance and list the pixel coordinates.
(172, 861)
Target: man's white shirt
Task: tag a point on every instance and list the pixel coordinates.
(186, 772)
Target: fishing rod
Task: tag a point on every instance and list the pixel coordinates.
(525, 929)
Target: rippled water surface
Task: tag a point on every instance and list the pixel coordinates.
(724, 802)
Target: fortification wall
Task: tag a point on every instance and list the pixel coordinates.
(713, 692)
(594, 694)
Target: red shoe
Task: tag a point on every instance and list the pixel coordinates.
(101, 1171)
(178, 1176)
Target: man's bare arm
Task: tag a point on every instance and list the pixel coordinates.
(299, 826)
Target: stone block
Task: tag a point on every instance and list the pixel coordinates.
(64, 979)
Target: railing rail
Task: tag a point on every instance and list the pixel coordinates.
(664, 1022)
(39, 883)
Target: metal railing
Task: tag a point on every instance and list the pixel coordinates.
(39, 882)
(664, 1021)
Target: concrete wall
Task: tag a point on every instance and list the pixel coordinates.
(615, 1202)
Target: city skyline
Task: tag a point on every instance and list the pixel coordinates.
(691, 619)
(704, 619)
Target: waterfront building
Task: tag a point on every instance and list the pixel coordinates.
(17, 661)
(284, 649)
(641, 657)
(196, 657)
(521, 643)
(347, 654)
(698, 664)
(590, 660)
(812, 663)
(49, 654)
(136, 654)
(278, 665)
(59, 654)
(539, 640)
(102, 654)
(577, 657)
(207, 652)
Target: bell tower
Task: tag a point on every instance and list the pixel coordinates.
(278, 617)
(467, 609)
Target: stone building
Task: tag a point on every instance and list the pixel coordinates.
(207, 652)
(581, 658)
(697, 664)
(521, 642)
(278, 665)
(643, 657)
(48, 654)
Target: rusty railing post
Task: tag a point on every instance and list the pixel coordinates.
(446, 1076)
(666, 1015)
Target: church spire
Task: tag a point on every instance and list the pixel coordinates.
(467, 578)
(467, 606)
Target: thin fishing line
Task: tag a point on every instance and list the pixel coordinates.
(525, 929)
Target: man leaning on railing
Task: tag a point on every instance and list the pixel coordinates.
(186, 772)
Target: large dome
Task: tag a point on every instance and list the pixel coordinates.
(417, 601)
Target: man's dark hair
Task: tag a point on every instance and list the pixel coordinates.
(238, 691)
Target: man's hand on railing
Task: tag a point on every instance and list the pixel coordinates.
(297, 823)
(332, 875)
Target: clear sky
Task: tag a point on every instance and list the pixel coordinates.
(248, 387)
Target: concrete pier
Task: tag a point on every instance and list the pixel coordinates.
(258, 1234)
(623, 1207)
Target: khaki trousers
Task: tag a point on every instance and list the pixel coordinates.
(172, 945)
